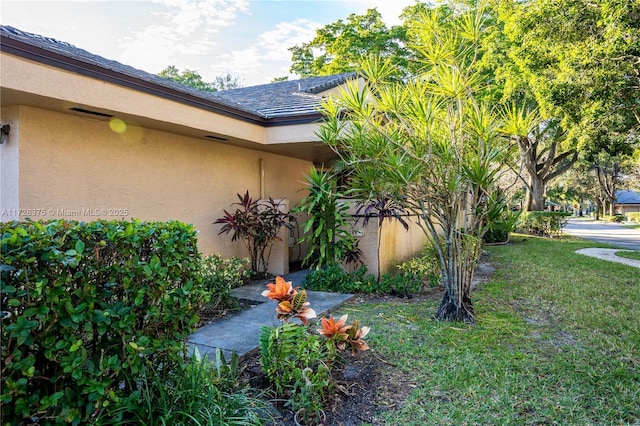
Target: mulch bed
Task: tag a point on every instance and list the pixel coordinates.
(367, 385)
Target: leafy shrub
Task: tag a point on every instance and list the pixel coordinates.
(616, 218)
(423, 269)
(546, 224)
(498, 230)
(285, 352)
(633, 217)
(327, 229)
(501, 219)
(219, 277)
(413, 277)
(333, 278)
(234, 272)
(202, 391)
(87, 307)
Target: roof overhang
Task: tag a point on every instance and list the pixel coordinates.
(47, 57)
(307, 146)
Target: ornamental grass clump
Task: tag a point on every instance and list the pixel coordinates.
(298, 359)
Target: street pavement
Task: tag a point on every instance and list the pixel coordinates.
(609, 233)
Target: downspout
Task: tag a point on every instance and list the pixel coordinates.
(261, 162)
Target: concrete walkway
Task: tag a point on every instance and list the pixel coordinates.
(610, 255)
(240, 333)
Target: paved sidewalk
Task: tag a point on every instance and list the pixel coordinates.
(610, 255)
(240, 332)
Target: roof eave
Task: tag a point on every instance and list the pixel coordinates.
(47, 57)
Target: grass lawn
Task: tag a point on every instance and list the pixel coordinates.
(557, 342)
(629, 254)
(632, 226)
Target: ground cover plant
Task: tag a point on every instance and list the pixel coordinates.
(201, 392)
(556, 342)
(411, 277)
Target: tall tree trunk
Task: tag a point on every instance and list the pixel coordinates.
(535, 194)
(542, 162)
(608, 173)
(612, 206)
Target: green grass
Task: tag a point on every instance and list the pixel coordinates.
(629, 254)
(557, 342)
(632, 226)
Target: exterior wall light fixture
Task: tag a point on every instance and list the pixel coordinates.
(4, 133)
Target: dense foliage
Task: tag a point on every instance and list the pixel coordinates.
(412, 277)
(545, 224)
(193, 79)
(327, 229)
(570, 65)
(344, 45)
(429, 144)
(86, 306)
(219, 277)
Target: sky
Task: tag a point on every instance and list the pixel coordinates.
(245, 38)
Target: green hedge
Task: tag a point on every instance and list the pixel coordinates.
(616, 218)
(86, 306)
(546, 224)
(633, 217)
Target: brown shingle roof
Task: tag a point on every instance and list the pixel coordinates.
(274, 103)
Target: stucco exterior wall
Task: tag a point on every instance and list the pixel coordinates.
(9, 166)
(386, 247)
(84, 169)
(383, 248)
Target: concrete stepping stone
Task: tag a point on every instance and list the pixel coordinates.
(240, 332)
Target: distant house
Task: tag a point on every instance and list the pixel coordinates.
(88, 138)
(627, 202)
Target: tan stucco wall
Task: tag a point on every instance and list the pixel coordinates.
(9, 166)
(71, 166)
(389, 245)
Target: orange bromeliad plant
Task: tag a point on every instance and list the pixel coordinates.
(356, 334)
(344, 335)
(282, 290)
(292, 303)
(296, 307)
(293, 358)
